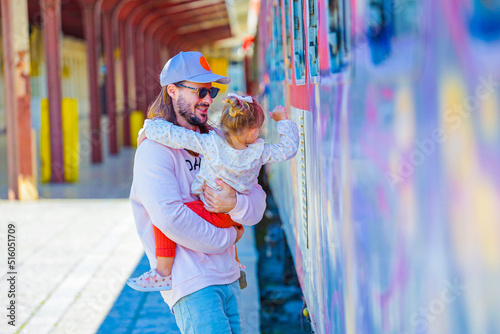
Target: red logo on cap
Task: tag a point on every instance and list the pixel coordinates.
(204, 64)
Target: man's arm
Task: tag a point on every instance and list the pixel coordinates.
(250, 208)
(158, 190)
(244, 209)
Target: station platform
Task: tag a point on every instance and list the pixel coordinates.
(77, 246)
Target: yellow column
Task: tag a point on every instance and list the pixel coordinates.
(136, 122)
(70, 140)
(219, 66)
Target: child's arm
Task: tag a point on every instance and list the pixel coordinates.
(289, 138)
(168, 134)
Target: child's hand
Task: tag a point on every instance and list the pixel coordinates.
(141, 137)
(279, 113)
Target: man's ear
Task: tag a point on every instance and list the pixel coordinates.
(172, 91)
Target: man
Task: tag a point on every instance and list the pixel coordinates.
(205, 297)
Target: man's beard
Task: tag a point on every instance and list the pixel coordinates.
(190, 116)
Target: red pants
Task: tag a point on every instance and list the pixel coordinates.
(166, 247)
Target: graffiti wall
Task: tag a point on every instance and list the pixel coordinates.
(392, 206)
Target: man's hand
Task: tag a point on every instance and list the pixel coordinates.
(221, 201)
(141, 137)
(239, 232)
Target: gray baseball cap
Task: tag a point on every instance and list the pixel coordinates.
(189, 66)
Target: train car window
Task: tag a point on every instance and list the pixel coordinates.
(313, 37)
(337, 35)
(388, 19)
(485, 20)
(288, 33)
(278, 71)
(380, 30)
(299, 40)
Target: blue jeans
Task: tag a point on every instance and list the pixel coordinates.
(215, 309)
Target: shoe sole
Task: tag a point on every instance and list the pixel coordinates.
(138, 288)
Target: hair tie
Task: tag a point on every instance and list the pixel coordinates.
(247, 99)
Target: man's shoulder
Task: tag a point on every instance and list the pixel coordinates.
(149, 150)
(150, 146)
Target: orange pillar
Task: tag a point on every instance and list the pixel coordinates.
(151, 78)
(124, 64)
(20, 152)
(94, 94)
(157, 66)
(110, 82)
(141, 39)
(51, 11)
(138, 53)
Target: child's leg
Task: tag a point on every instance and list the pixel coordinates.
(236, 251)
(216, 219)
(165, 252)
(159, 278)
(164, 265)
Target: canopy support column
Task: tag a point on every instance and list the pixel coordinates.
(124, 65)
(138, 66)
(20, 152)
(51, 11)
(95, 106)
(110, 82)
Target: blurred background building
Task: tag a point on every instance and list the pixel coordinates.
(79, 75)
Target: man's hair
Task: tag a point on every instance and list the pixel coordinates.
(163, 107)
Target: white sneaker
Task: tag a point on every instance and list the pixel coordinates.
(150, 281)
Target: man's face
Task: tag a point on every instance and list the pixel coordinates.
(189, 106)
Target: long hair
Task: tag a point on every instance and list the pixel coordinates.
(162, 106)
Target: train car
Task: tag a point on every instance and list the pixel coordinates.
(391, 207)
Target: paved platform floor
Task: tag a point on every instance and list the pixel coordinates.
(76, 247)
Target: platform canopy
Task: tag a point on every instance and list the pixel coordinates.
(182, 24)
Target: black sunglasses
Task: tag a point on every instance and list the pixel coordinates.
(202, 92)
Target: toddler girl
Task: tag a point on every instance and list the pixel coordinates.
(236, 158)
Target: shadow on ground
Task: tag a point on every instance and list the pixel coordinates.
(139, 312)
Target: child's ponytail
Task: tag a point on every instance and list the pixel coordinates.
(238, 107)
